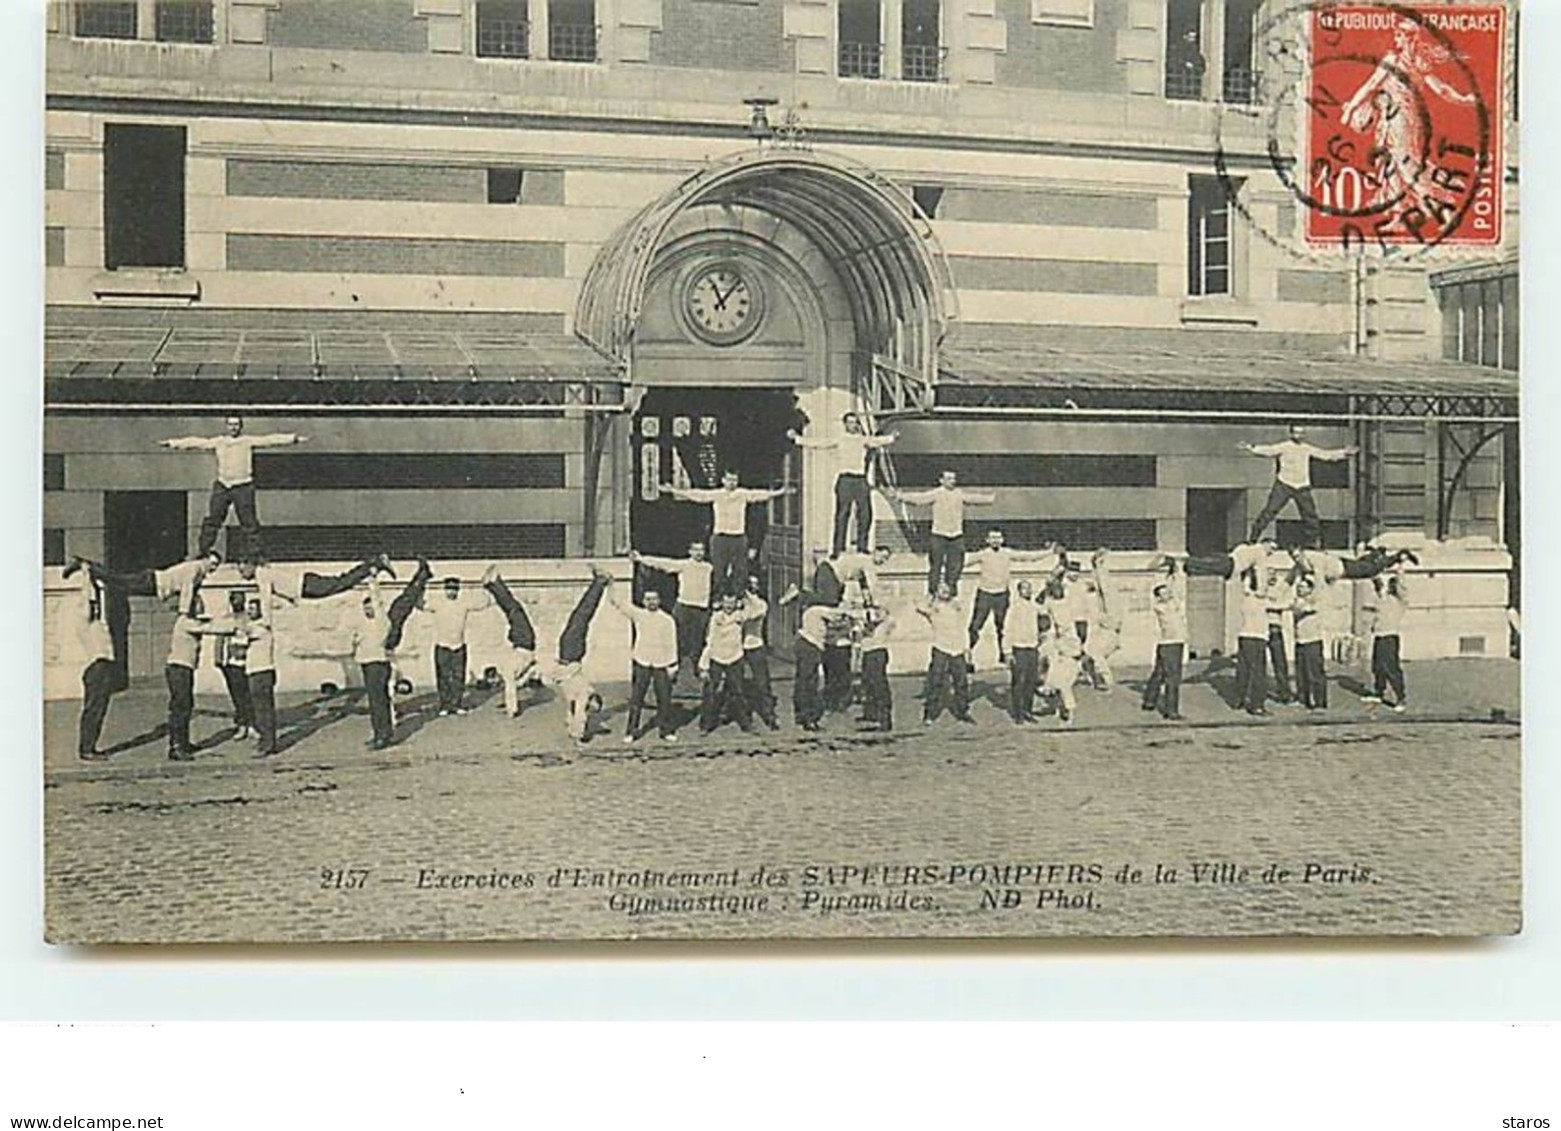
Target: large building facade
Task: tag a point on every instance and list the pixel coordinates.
(511, 264)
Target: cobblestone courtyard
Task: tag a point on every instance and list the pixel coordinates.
(1352, 821)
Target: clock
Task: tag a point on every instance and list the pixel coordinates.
(722, 305)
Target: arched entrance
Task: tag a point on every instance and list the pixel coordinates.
(774, 288)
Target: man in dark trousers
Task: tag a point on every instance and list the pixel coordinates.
(234, 485)
(1293, 458)
(653, 658)
(522, 637)
(853, 496)
(728, 505)
(102, 674)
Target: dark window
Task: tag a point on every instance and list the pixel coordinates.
(861, 39)
(454, 541)
(1208, 235)
(928, 197)
(1082, 536)
(1184, 59)
(106, 19)
(503, 31)
(1025, 470)
(184, 21)
(1336, 533)
(1472, 323)
(1331, 472)
(143, 196)
(144, 529)
(1448, 299)
(921, 49)
(53, 471)
(303, 471)
(504, 186)
(1239, 79)
(571, 30)
(53, 546)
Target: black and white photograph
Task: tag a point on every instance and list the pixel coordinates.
(780, 469)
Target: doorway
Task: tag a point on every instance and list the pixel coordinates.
(686, 437)
(1216, 521)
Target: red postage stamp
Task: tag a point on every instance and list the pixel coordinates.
(1403, 106)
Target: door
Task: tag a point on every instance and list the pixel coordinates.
(1216, 521)
(686, 437)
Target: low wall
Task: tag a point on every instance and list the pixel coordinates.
(1458, 608)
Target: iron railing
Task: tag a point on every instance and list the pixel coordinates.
(572, 43)
(184, 21)
(922, 62)
(503, 32)
(105, 19)
(861, 60)
(1241, 86)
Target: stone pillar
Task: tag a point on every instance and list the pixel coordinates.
(446, 19)
(536, 16)
(891, 29)
(977, 35)
(1141, 46)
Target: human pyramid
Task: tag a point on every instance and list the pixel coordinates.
(1050, 635)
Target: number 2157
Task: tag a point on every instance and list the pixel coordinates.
(341, 879)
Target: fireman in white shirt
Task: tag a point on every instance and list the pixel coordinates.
(1387, 670)
(729, 505)
(1163, 691)
(1293, 458)
(691, 611)
(451, 611)
(995, 573)
(1105, 634)
(877, 697)
(1252, 645)
(582, 702)
(946, 543)
(1062, 656)
(653, 657)
(1024, 642)
(234, 485)
(948, 684)
(101, 672)
(756, 660)
(853, 496)
(721, 665)
(520, 633)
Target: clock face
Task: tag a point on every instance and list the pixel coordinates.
(721, 305)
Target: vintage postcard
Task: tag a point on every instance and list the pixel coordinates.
(711, 469)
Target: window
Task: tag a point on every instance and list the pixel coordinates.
(1480, 320)
(861, 39)
(503, 30)
(1238, 78)
(927, 198)
(54, 471)
(105, 19)
(184, 21)
(1208, 236)
(921, 53)
(1191, 46)
(53, 546)
(143, 196)
(144, 529)
(504, 185)
(571, 30)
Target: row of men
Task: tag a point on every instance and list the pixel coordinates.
(233, 488)
(1070, 627)
(1268, 597)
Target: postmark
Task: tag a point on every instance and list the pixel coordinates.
(1383, 123)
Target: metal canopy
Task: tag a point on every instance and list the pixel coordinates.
(1206, 374)
(91, 363)
(871, 232)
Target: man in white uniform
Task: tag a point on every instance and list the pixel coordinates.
(654, 657)
(946, 546)
(1293, 458)
(729, 505)
(235, 482)
(691, 611)
(853, 496)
